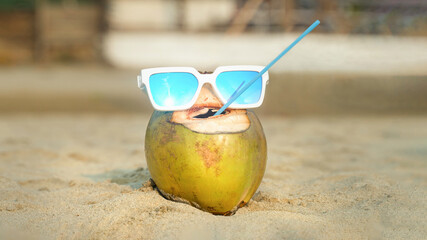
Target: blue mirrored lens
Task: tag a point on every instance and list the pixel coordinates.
(173, 89)
(228, 82)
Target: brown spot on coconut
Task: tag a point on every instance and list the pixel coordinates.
(214, 163)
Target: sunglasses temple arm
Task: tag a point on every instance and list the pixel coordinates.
(141, 85)
(237, 93)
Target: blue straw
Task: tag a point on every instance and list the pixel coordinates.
(238, 92)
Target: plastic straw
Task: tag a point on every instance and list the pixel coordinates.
(238, 92)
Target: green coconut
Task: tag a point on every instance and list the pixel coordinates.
(214, 163)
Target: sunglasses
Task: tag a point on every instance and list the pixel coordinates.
(177, 88)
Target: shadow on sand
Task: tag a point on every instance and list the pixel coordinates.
(133, 178)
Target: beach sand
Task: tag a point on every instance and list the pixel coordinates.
(79, 176)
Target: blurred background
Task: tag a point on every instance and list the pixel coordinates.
(366, 57)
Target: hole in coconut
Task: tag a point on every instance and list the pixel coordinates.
(208, 114)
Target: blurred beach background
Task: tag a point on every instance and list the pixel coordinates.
(344, 116)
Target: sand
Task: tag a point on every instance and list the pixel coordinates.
(78, 176)
(82, 88)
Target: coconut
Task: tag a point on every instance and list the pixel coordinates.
(214, 163)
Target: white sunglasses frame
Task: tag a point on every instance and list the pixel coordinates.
(144, 77)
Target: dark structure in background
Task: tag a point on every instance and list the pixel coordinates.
(398, 17)
(17, 31)
(50, 30)
(71, 30)
(68, 29)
